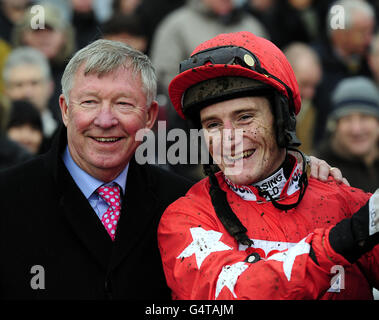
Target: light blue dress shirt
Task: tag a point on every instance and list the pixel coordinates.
(88, 184)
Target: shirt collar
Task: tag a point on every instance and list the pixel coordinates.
(86, 183)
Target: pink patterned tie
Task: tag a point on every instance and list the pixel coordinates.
(111, 196)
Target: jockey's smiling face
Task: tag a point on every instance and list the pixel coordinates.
(241, 138)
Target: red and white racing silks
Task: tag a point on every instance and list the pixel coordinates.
(202, 261)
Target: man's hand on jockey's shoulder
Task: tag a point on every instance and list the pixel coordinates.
(320, 170)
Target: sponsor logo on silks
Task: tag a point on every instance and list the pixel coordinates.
(274, 184)
(293, 185)
(243, 191)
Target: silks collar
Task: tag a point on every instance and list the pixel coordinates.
(277, 186)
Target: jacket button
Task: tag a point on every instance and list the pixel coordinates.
(252, 258)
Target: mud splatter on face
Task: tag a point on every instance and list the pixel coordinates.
(259, 154)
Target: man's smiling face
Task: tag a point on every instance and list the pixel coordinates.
(102, 118)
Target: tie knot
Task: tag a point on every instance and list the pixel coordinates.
(111, 195)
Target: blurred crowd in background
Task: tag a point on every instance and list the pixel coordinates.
(333, 47)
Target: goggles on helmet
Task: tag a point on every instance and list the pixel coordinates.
(230, 55)
(221, 55)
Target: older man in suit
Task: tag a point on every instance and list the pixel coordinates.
(55, 239)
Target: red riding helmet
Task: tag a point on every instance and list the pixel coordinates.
(259, 59)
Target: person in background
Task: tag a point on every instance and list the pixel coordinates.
(189, 25)
(85, 22)
(11, 153)
(373, 58)
(295, 21)
(11, 12)
(306, 66)
(126, 28)
(56, 40)
(264, 11)
(27, 76)
(153, 12)
(343, 53)
(25, 126)
(125, 7)
(352, 143)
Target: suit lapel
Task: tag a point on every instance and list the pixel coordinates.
(137, 213)
(84, 222)
(80, 216)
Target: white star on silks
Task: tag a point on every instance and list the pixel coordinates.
(288, 257)
(203, 244)
(228, 277)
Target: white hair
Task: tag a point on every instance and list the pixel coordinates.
(26, 56)
(104, 56)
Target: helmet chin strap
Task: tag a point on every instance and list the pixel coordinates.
(229, 219)
(225, 213)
